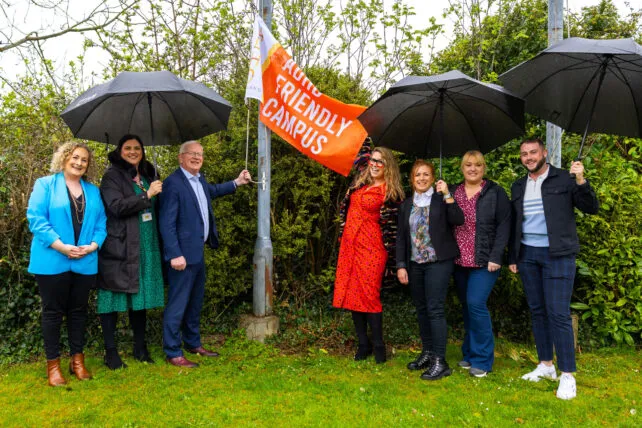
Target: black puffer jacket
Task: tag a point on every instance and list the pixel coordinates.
(492, 223)
(118, 260)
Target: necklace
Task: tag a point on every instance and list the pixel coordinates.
(139, 183)
(79, 206)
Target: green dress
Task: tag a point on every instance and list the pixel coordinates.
(151, 292)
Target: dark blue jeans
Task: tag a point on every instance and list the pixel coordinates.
(429, 286)
(473, 287)
(548, 285)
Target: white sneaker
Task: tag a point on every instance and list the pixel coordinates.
(567, 389)
(542, 370)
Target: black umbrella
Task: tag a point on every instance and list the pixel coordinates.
(584, 85)
(157, 106)
(444, 115)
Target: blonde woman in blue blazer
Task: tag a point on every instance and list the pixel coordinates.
(67, 219)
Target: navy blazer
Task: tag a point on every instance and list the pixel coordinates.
(180, 221)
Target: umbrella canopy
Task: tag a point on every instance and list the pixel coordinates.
(584, 85)
(445, 114)
(157, 106)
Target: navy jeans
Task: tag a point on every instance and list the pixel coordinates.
(429, 286)
(182, 316)
(548, 284)
(473, 287)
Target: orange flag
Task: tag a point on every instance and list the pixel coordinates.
(319, 126)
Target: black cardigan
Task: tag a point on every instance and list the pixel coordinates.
(442, 217)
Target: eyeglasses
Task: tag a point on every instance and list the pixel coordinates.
(194, 154)
(379, 163)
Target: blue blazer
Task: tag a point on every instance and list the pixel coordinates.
(180, 221)
(49, 216)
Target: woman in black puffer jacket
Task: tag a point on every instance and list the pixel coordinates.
(130, 275)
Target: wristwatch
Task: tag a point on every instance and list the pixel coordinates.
(447, 196)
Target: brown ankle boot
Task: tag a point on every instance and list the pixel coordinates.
(54, 373)
(77, 367)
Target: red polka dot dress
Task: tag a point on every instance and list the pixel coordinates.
(362, 256)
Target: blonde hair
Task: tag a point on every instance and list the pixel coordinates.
(418, 164)
(391, 175)
(63, 153)
(474, 156)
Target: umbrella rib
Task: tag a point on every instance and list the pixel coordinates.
(174, 116)
(160, 97)
(541, 82)
(131, 113)
(454, 104)
(82, 123)
(383, 134)
(579, 102)
(628, 85)
(485, 101)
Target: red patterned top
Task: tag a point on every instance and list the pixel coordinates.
(465, 234)
(362, 255)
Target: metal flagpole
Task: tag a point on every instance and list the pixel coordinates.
(555, 34)
(262, 290)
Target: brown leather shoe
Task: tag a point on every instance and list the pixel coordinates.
(181, 362)
(77, 367)
(54, 373)
(202, 352)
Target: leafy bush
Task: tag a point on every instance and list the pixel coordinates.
(609, 284)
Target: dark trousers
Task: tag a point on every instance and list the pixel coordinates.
(137, 321)
(548, 285)
(361, 321)
(182, 316)
(429, 286)
(65, 294)
(473, 287)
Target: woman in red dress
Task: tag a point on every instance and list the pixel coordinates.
(367, 246)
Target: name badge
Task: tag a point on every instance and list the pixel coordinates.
(147, 216)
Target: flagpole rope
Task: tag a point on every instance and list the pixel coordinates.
(247, 138)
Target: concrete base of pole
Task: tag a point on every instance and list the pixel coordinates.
(258, 328)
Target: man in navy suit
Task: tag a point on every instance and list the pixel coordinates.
(187, 222)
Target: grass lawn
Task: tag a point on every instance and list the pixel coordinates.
(255, 385)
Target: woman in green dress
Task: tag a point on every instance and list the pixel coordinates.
(130, 275)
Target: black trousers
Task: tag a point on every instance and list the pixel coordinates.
(429, 286)
(65, 294)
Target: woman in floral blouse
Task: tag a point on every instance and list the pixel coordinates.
(426, 250)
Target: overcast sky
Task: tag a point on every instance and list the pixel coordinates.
(66, 48)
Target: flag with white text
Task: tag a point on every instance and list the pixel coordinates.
(317, 125)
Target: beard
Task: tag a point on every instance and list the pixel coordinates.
(538, 165)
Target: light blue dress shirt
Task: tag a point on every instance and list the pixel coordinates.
(202, 200)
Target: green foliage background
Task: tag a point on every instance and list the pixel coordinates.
(305, 196)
